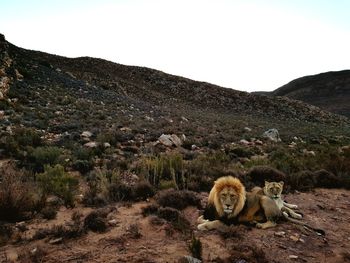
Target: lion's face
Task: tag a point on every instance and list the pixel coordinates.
(273, 189)
(228, 198)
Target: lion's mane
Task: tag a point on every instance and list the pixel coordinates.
(219, 185)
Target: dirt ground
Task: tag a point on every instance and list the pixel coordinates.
(323, 208)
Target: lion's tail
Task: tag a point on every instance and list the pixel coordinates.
(298, 222)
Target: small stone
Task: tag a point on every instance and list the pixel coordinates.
(91, 144)
(294, 238)
(86, 134)
(107, 145)
(244, 142)
(247, 129)
(55, 241)
(293, 257)
(280, 233)
(112, 222)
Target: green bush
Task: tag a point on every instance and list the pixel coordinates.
(164, 167)
(46, 155)
(54, 180)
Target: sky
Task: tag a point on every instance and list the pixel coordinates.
(249, 45)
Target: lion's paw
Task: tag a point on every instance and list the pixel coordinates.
(202, 227)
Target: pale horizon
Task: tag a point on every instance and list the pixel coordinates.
(243, 45)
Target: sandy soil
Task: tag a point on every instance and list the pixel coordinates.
(323, 208)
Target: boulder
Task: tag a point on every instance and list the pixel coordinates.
(170, 140)
(86, 134)
(91, 144)
(272, 134)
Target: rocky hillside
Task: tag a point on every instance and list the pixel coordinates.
(330, 91)
(60, 94)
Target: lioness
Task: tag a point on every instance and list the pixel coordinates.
(229, 203)
(274, 191)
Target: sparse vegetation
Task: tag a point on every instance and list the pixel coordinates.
(54, 180)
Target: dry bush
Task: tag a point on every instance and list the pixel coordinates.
(178, 199)
(95, 222)
(142, 190)
(175, 217)
(18, 196)
(259, 174)
(247, 253)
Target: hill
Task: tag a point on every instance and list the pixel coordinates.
(64, 91)
(329, 91)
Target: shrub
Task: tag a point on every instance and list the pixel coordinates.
(259, 174)
(95, 222)
(142, 190)
(5, 233)
(120, 192)
(49, 212)
(166, 167)
(150, 209)
(17, 195)
(54, 180)
(174, 216)
(178, 199)
(302, 181)
(47, 155)
(195, 247)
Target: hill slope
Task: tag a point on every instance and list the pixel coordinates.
(329, 91)
(60, 94)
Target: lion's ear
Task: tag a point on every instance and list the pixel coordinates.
(266, 183)
(281, 183)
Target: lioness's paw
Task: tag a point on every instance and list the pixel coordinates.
(259, 225)
(298, 216)
(293, 206)
(285, 214)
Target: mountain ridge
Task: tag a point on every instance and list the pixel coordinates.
(329, 91)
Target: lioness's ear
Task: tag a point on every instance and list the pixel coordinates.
(281, 183)
(266, 183)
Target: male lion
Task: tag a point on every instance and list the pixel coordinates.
(229, 203)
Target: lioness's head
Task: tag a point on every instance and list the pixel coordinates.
(273, 189)
(228, 196)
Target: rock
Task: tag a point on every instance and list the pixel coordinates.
(21, 226)
(189, 259)
(294, 238)
(2, 114)
(19, 76)
(309, 153)
(280, 233)
(54, 201)
(244, 142)
(184, 119)
(170, 140)
(1, 96)
(194, 147)
(34, 251)
(272, 134)
(126, 129)
(91, 144)
(56, 241)
(112, 222)
(86, 134)
(247, 129)
(107, 145)
(258, 142)
(293, 257)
